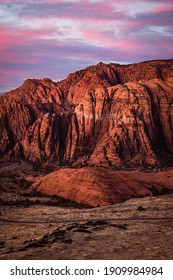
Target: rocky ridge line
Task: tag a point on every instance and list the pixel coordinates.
(104, 115)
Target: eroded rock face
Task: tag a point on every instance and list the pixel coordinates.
(104, 115)
(102, 186)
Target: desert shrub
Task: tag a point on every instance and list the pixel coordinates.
(164, 190)
(64, 202)
(141, 208)
(24, 184)
(34, 193)
(140, 196)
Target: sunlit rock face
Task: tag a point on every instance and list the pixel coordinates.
(104, 115)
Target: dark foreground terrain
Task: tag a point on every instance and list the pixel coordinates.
(35, 226)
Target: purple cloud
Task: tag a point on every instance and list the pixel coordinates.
(53, 38)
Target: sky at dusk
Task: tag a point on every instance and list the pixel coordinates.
(53, 38)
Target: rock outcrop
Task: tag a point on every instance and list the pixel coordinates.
(101, 186)
(104, 115)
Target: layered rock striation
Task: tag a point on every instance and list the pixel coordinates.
(96, 186)
(104, 115)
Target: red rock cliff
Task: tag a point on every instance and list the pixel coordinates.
(104, 115)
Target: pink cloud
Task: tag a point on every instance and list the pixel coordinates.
(10, 72)
(162, 8)
(108, 40)
(10, 36)
(58, 32)
(82, 10)
(92, 35)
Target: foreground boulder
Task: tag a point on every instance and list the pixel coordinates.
(101, 186)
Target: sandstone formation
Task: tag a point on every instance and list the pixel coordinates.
(105, 115)
(101, 186)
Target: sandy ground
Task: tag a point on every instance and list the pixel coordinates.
(52, 233)
(98, 239)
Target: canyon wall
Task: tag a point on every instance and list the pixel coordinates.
(105, 115)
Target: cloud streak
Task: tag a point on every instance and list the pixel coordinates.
(53, 38)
